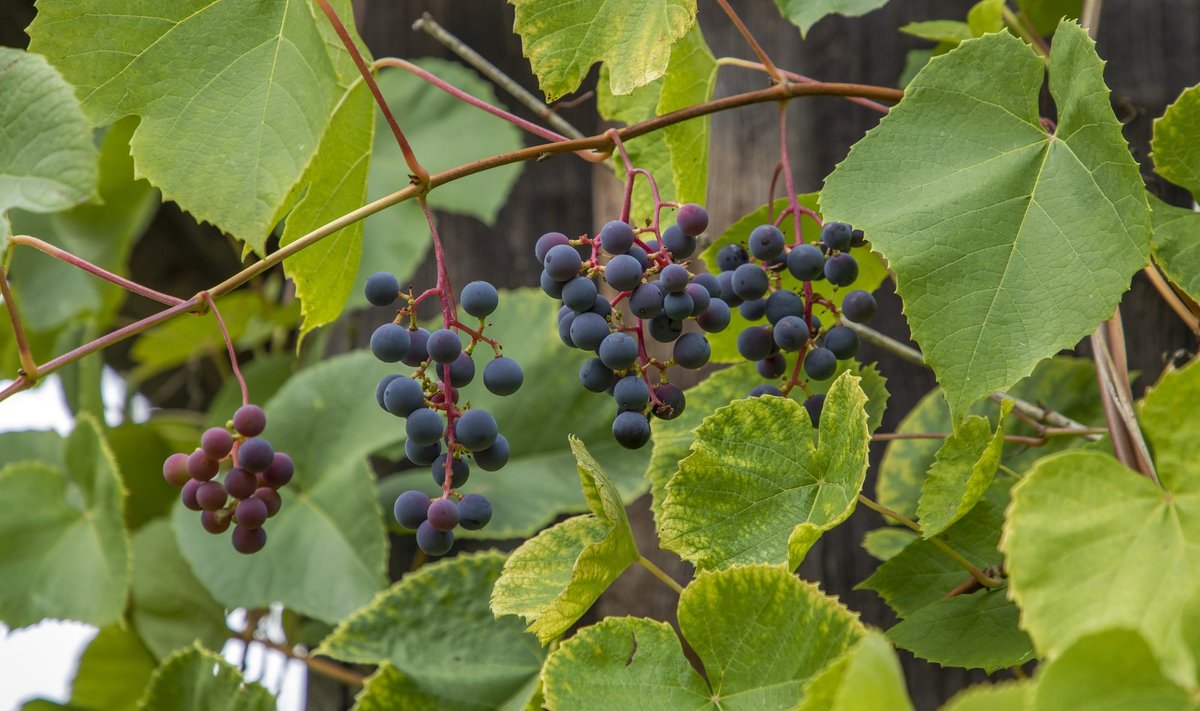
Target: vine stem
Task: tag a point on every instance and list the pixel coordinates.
(660, 574)
(1033, 38)
(85, 265)
(768, 65)
(233, 361)
(338, 673)
(1089, 16)
(1181, 309)
(28, 364)
(1016, 439)
(758, 66)
(1128, 442)
(983, 578)
(419, 174)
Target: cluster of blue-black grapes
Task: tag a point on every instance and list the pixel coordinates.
(791, 327)
(249, 494)
(433, 419)
(661, 293)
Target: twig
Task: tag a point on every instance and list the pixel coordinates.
(771, 69)
(337, 672)
(1128, 442)
(87, 266)
(888, 344)
(658, 573)
(28, 364)
(1168, 295)
(758, 66)
(489, 70)
(233, 361)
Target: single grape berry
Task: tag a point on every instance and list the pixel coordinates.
(270, 497)
(462, 371)
(753, 310)
(410, 508)
(248, 540)
(842, 342)
(433, 541)
(710, 282)
(699, 296)
(417, 351)
(175, 469)
(692, 219)
(474, 512)
(479, 298)
(837, 236)
(460, 471)
(588, 331)
(631, 429)
(402, 396)
(382, 387)
(858, 238)
(754, 343)
(858, 306)
(443, 515)
(503, 376)
(671, 401)
(545, 242)
(216, 442)
(600, 306)
(783, 303)
(805, 262)
(215, 522)
(476, 429)
(716, 317)
(642, 257)
(814, 405)
(691, 351)
(618, 351)
(381, 289)
(280, 472)
(255, 455)
(424, 426)
(249, 420)
(731, 256)
(188, 494)
(750, 281)
(595, 376)
(820, 364)
(390, 342)
(562, 262)
(422, 454)
(202, 467)
(564, 330)
(646, 301)
(623, 272)
(444, 346)
(211, 496)
(791, 333)
(673, 278)
(579, 294)
(678, 306)
(680, 245)
(616, 237)
(841, 269)
(773, 366)
(665, 329)
(494, 457)
(766, 389)
(766, 242)
(251, 513)
(552, 288)
(240, 483)
(631, 393)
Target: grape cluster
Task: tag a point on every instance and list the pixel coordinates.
(248, 493)
(428, 401)
(661, 293)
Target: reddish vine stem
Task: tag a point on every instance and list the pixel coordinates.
(61, 254)
(793, 76)
(28, 364)
(233, 361)
(1185, 311)
(414, 166)
(771, 69)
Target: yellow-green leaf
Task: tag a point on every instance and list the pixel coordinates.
(962, 471)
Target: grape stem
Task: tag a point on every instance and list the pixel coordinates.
(660, 574)
(29, 368)
(233, 360)
(85, 265)
(337, 672)
(767, 64)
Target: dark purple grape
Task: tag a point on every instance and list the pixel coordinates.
(642, 257)
(215, 522)
(814, 405)
(562, 262)
(422, 454)
(249, 420)
(671, 401)
(382, 386)
(623, 272)
(678, 306)
(646, 301)
(692, 219)
(710, 282)
(631, 429)
(188, 494)
(503, 376)
(725, 280)
(443, 515)
(216, 442)
(652, 244)
(494, 457)
(631, 393)
(417, 351)
(842, 342)
(750, 281)
(462, 371)
(699, 296)
(240, 483)
(550, 287)
(460, 472)
(564, 329)
(716, 317)
(618, 351)
(616, 237)
(857, 238)
(271, 498)
(251, 513)
(444, 346)
(175, 469)
(820, 364)
(588, 331)
(390, 342)
(411, 508)
(680, 245)
(474, 512)
(731, 256)
(791, 333)
(476, 429)
(248, 540)
(766, 242)
(280, 472)
(805, 262)
(858, 306)
(691, 351)
(433, 541)
(381, 289)
(579, 293)
(595, 376)
(202, 467)
(664, 329)
(545, 242)
(754, 343)
(673, 278)
(211, 496)
(753, 310)
(424, 426)
(255, 455)
(773, 366)
(765, 389)
(837, 236)
(479, 298)
(402, 396)
(841, 269)
(783, 303)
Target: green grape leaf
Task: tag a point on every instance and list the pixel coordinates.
(987, 16)
(525, 325)
(871, 271)
(963, 469)
(242, 89)
(140, 450)
(46, 146)
(972, 631)
(553, 578)
(1176, 245)
(633, 39)
(690, 79)
(1006, 696)
(805, 13)
(673, 438)
(327, 420)
(1174, 145)
(195, 679)
(1167, 414)
(1119, 529)
(390, 689)
(325, 273)
(866, 679)
(60, 525)
(444, 132)
(113, 671)
(759, 632)
(1046, 14)
(170, 607)
(939, 30)
(999, 233)
(430, 624)
(1064, 384)
(884, 543)
(43, 446)
(1112, 670)
(756, 489)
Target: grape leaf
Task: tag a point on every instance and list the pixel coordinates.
(1006, 696)
(759, 632)
(60, 525)
(46, 146)
(326, 418)
(867, 678)
(241, 90)
(553, 578)
(939, 30)
(805, 13)
(756, 489)
(112, 672)
(195, 679)
(1046, 14)
(1176, 245)
(987, 16)
(139, 450)
(871, 271)
(1174, 145)
(972, 631)
(672, 438)
(963, 469)
(884, 543)
(999, 233)
(633, 39)
(427, 627)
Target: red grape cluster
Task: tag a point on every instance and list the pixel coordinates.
(248, 493)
